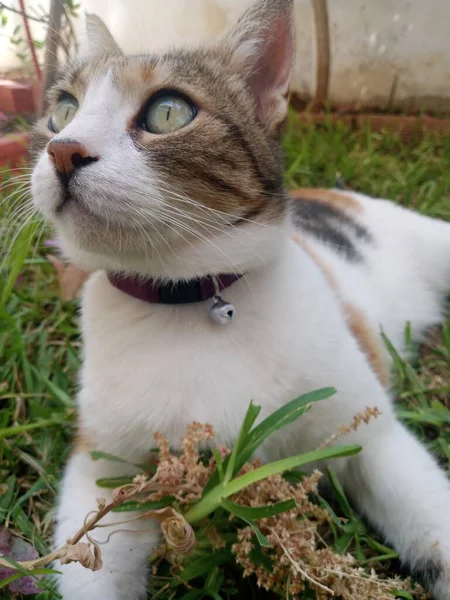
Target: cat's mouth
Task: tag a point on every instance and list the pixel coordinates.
(76, 206)
(66, 198)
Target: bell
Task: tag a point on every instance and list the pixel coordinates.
(221, 312)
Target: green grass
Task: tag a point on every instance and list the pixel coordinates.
(40, 343)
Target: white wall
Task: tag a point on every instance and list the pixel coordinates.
(8, 59)
(373, 42)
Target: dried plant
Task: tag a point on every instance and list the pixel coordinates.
(247, 516)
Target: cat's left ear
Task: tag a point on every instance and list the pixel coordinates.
(98, 40)
(262, 47)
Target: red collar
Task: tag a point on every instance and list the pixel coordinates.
(185, 292)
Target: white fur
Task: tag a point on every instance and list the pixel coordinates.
(157, 368)
(151, 368)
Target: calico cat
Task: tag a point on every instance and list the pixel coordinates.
(164, 175)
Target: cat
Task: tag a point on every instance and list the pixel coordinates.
(164, 175)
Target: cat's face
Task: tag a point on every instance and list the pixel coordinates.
(160, 164)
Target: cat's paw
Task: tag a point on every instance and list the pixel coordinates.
(441, 587)
(434, 575)
(78, 583)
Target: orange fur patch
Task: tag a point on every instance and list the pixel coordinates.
(368, 340)
(333, 198)
(82, 444)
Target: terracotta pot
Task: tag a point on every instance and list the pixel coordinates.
(13, 149)
(16, 98)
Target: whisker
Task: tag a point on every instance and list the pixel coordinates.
(14, 239)
(226, 216)
(235, 268)
(167, 211)
(14, 210)
(140, 214)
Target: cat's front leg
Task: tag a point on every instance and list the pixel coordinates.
(125, 555)
(399, 487)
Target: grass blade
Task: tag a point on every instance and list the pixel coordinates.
(17, 258)
(262, 540)
(250, 417)
(257, 512)
(210, 502)
(285, 415)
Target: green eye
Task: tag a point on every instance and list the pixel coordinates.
(169, 113)
(64, 112)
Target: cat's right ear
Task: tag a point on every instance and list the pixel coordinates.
(98, 40)
(261, 47)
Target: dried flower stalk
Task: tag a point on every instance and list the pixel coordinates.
(299, 556)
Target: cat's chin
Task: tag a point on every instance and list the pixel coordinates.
(72, 208)
(108, 251)
(69, 201)
(94, 255)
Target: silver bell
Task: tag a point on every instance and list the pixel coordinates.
(221, 312)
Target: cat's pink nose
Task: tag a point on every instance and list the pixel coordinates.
(68, 156)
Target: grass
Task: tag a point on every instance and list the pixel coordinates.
(40, 342)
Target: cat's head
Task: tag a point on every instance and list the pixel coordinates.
(170, 165)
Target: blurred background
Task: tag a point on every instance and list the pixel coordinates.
(362, 54)
(354, 57)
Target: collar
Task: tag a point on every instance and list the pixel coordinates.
(185, 292)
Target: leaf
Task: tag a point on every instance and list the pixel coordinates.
(288, 413)
(56, 391)
(401, 594)
(16, 259)
(201, 565)
(139, 507)
(375, 545)
(9, 580)
(339, 494)
(219, 463)
(285, 415)
(438, 418)
(82, 553)
(336, 520)
(342, 543)
(260, 558)
(6, 497)
(250, 417)
(210, 502)
(214, 581)
(248, 514)
(97, 455)
(111, 483)
(29, 529)
(16, 430)
(37, 487)
(258, 512)
(193, 594)
(30, 584)
(263, 541)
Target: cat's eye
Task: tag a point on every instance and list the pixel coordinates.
(63, 114)
(169, 113)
